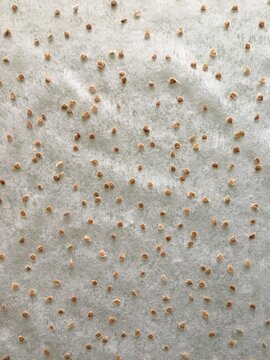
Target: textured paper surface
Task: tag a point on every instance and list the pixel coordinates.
(70, 79)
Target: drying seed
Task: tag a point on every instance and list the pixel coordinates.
(88, 27)
(239, 134)
(203, 8)
(172, 81)
(21, 339)
(205, 314)
(233, 95)
(182, 326)
(232, 342)
(234, 8)
(185, 356)
(101, 65)
(213, 53)
(180, 31)
(102, 254)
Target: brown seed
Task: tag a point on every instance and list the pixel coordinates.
(182, 326)
(172, 81)
(117, 302)
(88, 27)
(180, 31)
(232, 342)
(21, 339)
(213, 53)
(25, 314)
(147, 35)
(233, 95)
(14, 7)
(234, 8)
(203, 8)
(205, 67)
(101, 65)
(260, 97)
(102, 254)
(261, 24)
(239, 134)
(185, 356)
(226, 24)
(205, 314)
(137, 333)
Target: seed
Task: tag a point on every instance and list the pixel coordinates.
(203, 8)
(239, 134)
(102, 254)
(219, 258)
(253, 306)
(32, 293)
(212, 334)
(261, 24)
(137, 333)
(191, 195)
(25, 314)
(5, 59)
(180, 99)
(83, 57)
(21, 339)
(147, 35)
(90, 315)
(233, 240)
(205, 314)
(132, 181)
(226, 24)
(168, 192)
(213, 53)
(49, 299)
(233, 95)
(205, 67)
(232, 342)
(260, 97)
(137, 14)
(180, 31)
(101, 65)
(88, 27)
(14, 7)
(234, 8)
(46, 352)
(182, 326)
(232, 182)
(117, 302)
(144, 256)
(172, 81)
(247, 263)
(218, 76)
(185, 356)
(75, 9)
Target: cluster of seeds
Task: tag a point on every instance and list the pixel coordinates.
(123, 213)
